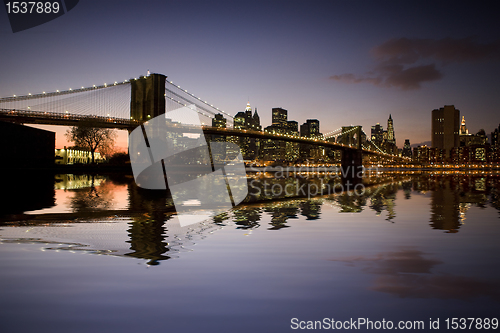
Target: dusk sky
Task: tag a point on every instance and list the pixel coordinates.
(342, 62)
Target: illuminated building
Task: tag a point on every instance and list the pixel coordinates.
(310, 129)
(279, 117)
(389, 144)
(463, 127)
(391, 136)
(219, 121)
(76, 156)
(275, 150)
(292, 148)
(421, 154)
(377, 134)
(246, 121)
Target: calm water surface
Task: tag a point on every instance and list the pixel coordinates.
(96, 254)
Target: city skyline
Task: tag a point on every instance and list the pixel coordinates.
(345, 62)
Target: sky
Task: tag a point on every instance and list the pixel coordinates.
(341, 62)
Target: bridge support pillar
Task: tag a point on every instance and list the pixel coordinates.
(352, 167)
(147, 98)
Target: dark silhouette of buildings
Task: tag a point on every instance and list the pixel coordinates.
(26, 147)
(495, 137)
(445, 128)
(406, 152)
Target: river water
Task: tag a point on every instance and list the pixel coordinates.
(82, 253)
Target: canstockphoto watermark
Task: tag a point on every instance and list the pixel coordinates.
(297, 189)
(308, 181)
(170, 151)
(304, 171)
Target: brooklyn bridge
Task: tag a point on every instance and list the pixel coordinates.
(129, 104)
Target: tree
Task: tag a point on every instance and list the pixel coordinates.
(88, 135)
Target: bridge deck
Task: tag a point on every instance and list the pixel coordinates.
(67, 119)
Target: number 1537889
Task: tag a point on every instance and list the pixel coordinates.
(32, 7)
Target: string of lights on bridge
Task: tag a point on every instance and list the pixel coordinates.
(183, 104)
(15, 98)
(199, 99)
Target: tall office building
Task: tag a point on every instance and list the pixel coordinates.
(244, 120)
(391, 136)
(445, 128)
(256, 122)
(310, 129)
(280, 117)
(406, 152)
(463, 127)
(495, 137)
(219, 121)
(377, 134)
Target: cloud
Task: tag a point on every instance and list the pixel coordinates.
(408, 273)
(448, 50)
(351, 78)
(395, 76)
(401, 63)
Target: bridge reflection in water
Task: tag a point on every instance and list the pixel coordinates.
(111, 215)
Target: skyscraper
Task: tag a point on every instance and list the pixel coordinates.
(463, 127)
(406, 149)
(310, 129)
(391, 136)
(256, 122)
(377, 134)
(445, 128)
(219, 121)
(244, 120)
(280, 117)
(495, 137)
